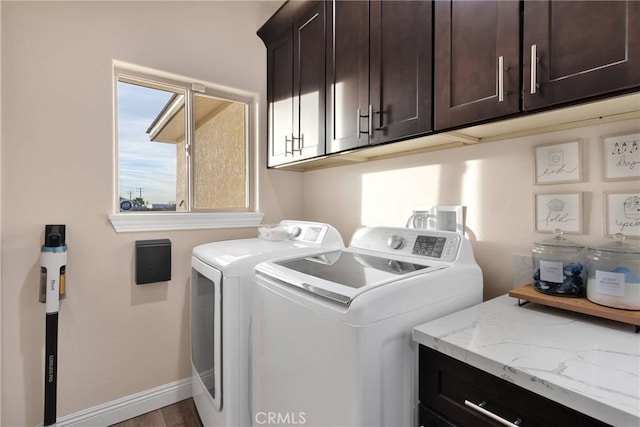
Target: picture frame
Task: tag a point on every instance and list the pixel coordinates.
(447, 218)
(558, 163)
(621, 156)
(622, 213)
(558, 211)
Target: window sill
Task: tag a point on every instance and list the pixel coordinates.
(132, 222)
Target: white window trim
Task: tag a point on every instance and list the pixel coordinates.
(134, 222)
(165, 221)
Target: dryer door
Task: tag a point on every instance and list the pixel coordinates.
(206, 331)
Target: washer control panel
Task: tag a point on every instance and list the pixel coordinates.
(431, 246)
(428, 244)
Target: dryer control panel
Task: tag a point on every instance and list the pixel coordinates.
(308, 233)
(311, 232)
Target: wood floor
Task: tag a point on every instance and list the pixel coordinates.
(179, 414)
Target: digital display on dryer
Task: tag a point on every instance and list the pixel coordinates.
(312, 233)
(430, 246)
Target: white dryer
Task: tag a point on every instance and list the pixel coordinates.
(221, 283)
(333, 330)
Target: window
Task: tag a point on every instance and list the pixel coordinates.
(181, 148)
(151, 129)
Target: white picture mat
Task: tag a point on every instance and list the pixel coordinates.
(621, 156)
(622, 214)
(557, 163)
(558, 211)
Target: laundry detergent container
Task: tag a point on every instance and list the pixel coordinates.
(558, 267)
(613, 274)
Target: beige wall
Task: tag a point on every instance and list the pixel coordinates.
(494, 180)
(116, 338)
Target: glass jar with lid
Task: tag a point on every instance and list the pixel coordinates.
(613, 274)
(419, 219)
(558, 266)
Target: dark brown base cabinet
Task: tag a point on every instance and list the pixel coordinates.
(453, 393)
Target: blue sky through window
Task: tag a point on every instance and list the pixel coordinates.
(144, 164)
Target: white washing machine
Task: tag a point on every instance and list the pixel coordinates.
(332, 332)
(221, 283)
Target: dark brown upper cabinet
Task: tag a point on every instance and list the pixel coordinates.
(344, 75)
(575, 50)
(477, 61)
(379, 57)
(296, 53)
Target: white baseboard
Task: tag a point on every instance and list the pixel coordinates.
(129, 406)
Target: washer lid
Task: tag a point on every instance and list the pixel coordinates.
(341, 275)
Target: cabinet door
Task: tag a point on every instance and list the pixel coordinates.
(347, 75)
(280, 98)
(428, 418)
(400, 69)
(583, 49)
(309, 82)
(477, 61)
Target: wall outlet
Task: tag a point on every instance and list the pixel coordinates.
(522, 270)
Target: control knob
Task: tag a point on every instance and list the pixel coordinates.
(295, 232)
(395, 242)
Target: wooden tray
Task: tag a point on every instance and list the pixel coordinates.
(579, 305)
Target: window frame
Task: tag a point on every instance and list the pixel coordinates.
(194, 218)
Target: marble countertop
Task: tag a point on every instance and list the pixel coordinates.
(589, 364)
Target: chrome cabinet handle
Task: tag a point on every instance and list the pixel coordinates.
(480, 408)
(534, 69)
(292, 141)
(358, 122)
(369, 130)
(286, 145)
(501, 78)
(301, 143)
(380, 126)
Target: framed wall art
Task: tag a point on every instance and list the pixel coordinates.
(622, 213)
(558, 211)
(558, 163)
(621, 156)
